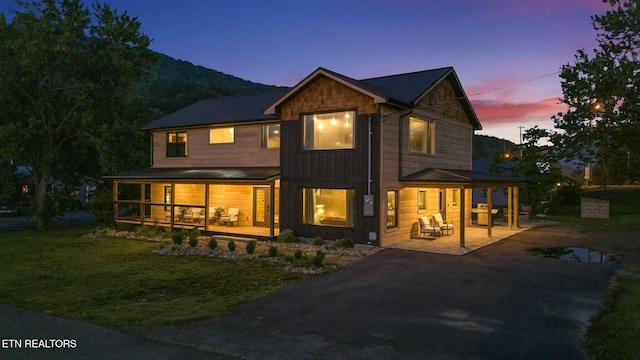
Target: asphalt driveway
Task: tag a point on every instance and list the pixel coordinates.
(499, 302)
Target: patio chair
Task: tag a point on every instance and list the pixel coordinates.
(542, 216)
(197, 215)
(231, 217)
(427, 228)
(445, 226)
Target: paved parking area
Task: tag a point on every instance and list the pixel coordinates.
(498, 302)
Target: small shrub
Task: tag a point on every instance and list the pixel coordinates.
(318, 259)
(251, 247)
(231, 245)
(286, 236)
(273, 251)
(318, 240)
(339, 243)
(193, 237)
(298, 254)
(348, 242)
(177, 237)
(213, 243)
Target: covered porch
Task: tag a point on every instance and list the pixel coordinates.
(237, 201)
(448, 194)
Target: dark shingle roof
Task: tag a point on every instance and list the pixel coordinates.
(195, 174)
(222, 110)
(469, 177)
(408, 88)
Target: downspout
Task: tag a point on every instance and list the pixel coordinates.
(369, 180)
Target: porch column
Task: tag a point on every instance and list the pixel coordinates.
(489, 208)
(142, 203)
(516, 207)
(206, 207)
(509, 213)
(173, 208)
(115, 201)
(272, 197)
(463, 208)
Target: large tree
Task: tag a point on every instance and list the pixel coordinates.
(66, 79)
(602, 92)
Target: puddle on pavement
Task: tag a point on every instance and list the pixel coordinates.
(577, 254)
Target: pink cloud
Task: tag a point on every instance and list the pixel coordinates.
(492, 112)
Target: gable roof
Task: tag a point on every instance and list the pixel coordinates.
(222, 110)
(403, 90)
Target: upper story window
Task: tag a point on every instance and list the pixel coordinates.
(270, 137)
(329, 131)
(421, 136)
(176, 144)
(221, 135)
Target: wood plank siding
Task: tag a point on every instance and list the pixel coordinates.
(244, 151)
(338, 169)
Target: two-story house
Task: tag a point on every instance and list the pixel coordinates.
(332, 156)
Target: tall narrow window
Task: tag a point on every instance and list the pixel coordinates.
(422, 200)
(222, 135)
(392, 209)
(329, 131)
(329, 207)
(421, 136)
(270, 137)
(176, 144)
(167, 198)
(455, 197)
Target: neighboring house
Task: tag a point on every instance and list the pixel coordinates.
(332, 157)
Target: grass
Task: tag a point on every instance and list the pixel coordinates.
(120, 283)
(613, 332)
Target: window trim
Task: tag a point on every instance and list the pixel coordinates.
(430, 136)
(307, 213)
(395, 209)
(311, 146)
(264, 136)
(233, 135)
(176, 144)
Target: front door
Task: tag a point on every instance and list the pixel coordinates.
(261, 206)
(443, 203)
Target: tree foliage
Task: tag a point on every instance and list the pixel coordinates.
(67, 101)
(602, 92)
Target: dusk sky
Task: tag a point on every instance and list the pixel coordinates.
(507, 53)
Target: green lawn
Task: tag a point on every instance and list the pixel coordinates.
(120, 283)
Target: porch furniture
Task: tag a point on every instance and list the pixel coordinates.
(445, 226)
(427, 228)
(232, 217)
(197, 215)
(542, 216)
(525, 209)
(167, 215)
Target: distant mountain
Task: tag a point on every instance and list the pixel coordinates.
(489, 147)
(176, 83)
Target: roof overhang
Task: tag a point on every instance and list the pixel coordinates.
(459, 178)
(351, 83)
(201, 175)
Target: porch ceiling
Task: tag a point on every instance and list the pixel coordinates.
(200, 174)
(466, 178)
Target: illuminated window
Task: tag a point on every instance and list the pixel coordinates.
(25, 189)
(176, 144)
(329, 131)
(223, 135)
(270, 138)
(392, 209)
(421, 136)
(455, 197)
(422, 200)
(329, 207)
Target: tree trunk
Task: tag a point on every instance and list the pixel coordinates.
(42, 199)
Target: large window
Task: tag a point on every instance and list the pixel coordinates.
(392, 209)
(329, 207)
(329, 131)
(421, 136)
(176, 144)
(222, 135)
(270, 137)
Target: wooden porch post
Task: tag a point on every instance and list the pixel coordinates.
(272, 196)
(463, 208)
(516, 207)
(142, 204)
(206, 206)
(510, 207)
(173, 201)
(115, 202)
(489, 208)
